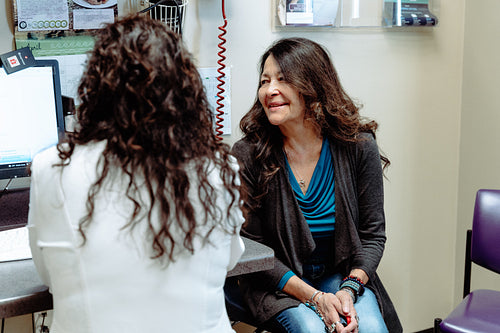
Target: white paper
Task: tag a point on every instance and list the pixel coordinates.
(14, 244)
(36, 15)
(209, 77)
(92, 18)
(71, 68)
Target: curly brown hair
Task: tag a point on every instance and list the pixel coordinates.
(142, 93)
(307, 66)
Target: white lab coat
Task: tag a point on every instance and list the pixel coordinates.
(111, 284)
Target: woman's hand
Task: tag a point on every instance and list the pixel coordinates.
(329, 306)
(348, 310)
(332, 307)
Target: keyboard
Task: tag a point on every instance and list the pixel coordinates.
(14, 244)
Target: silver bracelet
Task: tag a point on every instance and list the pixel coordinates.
(311, 300)
(350, 292)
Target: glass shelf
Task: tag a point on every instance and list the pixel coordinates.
(292, 14)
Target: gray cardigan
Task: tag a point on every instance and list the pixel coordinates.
(279, 223)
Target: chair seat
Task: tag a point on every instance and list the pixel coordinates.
(479, 312)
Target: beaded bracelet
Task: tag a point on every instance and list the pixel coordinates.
(354, 283)
(351, 293)
(315, 309)
(354, 278)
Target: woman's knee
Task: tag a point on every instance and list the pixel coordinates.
(372, 324)
(300, 319)
(370, 317)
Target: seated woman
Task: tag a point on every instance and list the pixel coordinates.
(134, 220)
(313, 175)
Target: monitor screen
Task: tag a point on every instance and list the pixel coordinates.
(31, 115)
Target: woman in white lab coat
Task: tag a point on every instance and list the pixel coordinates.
(134, 220)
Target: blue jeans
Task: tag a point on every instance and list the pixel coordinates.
(302, 319)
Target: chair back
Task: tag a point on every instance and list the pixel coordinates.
(485, 250)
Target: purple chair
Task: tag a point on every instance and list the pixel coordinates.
(479, 311)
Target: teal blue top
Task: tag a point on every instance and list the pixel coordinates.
(317, 205)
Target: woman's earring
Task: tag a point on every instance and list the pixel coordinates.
(318, 112)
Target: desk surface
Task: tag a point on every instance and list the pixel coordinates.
(22, 291)
(257, 257)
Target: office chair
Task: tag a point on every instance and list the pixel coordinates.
(479, 311)
(235, 306)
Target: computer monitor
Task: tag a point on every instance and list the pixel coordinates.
(31, 115)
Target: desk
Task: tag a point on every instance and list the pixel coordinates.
(257, 257)
(22, 291)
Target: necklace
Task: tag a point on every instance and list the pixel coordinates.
(301, 181)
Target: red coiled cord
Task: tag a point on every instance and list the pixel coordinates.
(220, 78)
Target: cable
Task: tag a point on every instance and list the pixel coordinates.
(220, 78)
(43, 328)
(6, 188)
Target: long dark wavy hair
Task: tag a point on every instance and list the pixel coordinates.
(142, 94)
(307, 66)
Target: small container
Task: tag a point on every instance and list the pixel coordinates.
(170, 12)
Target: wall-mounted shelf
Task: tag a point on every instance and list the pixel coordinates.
(293, 14)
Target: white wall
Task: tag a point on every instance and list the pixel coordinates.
(411, 83)
(480, 129)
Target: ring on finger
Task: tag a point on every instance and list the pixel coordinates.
(333, 327)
